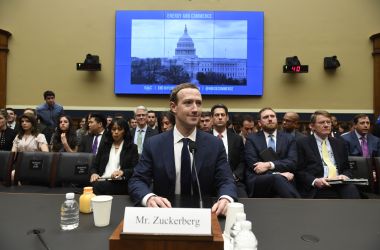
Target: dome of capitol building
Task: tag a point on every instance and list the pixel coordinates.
(185, 46)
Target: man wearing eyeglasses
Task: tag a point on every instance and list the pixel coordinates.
(322, 158)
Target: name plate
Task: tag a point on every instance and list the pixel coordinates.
(167, 221)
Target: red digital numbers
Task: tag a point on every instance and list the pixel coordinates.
(296, 68)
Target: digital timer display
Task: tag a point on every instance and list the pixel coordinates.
(296, 69)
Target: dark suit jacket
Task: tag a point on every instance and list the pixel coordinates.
(149, 132)
(354, 148)
(9, 135)
(235, 154)
(128, 159)
(285, 149)
(86, 143)
(310, 164)
(157, 166)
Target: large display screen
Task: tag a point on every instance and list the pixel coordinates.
(220, 51)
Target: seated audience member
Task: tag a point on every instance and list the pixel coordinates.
(96, 127)
(12, 119)
(115, 160)
(29, 139)
(247, 127)
(376, 128)
(64, 138)
(109, 119)
(322, 158)
(360, 142)
(152, 120)
(205, 123)
(334, 127)
(132, 123)
(142, 131)
(7, 135)
(290, 124)
(271, 158)
(40, 126)
(167, 121)
(166, 160)
(344, 127)
(233, 144)
(236, 123)
(82, 130)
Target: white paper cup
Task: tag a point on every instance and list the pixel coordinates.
(232, 210)
(101, 206)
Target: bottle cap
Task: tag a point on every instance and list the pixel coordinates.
(70, 196)
(246, 225)
(87, 189)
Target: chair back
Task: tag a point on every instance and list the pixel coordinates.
(73, 169)
(6, 161)
(35, 168)
(361, 167)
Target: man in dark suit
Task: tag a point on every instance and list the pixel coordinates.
(96, 126)
(360, 142)
(166, 162)
(233, 144)
(322, 158)
(143, 130)
(290, 124)
(7, 135)
(271, 158)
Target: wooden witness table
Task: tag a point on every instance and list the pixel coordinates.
(277, 223)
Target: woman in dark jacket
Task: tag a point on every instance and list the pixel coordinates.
(115, 160)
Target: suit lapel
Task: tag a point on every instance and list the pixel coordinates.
(168, 156)
(356, 141)
(314, 148)
(199, 155)
(262, 140)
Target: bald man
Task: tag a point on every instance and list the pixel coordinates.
(290, 124)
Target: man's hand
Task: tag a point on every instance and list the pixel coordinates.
(261, 167)
(288, 175)
(94, 177)
(117, 174)
(157, 201)
(321, 183)
(220, 207)
(342, 177)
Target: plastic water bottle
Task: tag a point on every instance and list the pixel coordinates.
(69, 213)
(236, 227)
(245, 240)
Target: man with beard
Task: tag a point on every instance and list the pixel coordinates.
(271, 158)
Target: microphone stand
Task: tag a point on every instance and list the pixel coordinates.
(193, 148)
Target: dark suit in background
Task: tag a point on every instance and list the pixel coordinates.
(8, 135)
(87, 141)
(354, 147)
(310, 167)
(148, 133)
(270, 184)
(237, 161)
(128, 160)
(156, 166)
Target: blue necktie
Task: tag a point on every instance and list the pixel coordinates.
(95, 145)
(271, 142)
(185, 168)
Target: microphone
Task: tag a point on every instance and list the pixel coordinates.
(193, 149)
